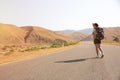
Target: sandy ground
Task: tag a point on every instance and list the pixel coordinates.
(17, 56)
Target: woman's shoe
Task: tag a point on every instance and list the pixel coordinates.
(102, 56)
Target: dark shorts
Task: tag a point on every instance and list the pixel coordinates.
(97, 41)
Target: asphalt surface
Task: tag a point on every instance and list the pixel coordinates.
(78, 63)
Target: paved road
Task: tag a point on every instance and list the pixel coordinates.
(78, 63)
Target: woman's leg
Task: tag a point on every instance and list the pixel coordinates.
(97, 47)
(101, 51)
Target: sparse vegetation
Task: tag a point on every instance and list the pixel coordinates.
(12, 48)
(116, 39)
(71, 43)
(32, 49)
(44, 47)
(57, 45)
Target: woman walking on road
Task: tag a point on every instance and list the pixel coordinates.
(98, 35)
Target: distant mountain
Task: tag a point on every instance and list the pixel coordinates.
(75, 35)
(67, 31)
(78, 36)
(86, 31)
(83, 31)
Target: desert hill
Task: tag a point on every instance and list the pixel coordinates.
(41, 35)
(111, 33)
(11, 34)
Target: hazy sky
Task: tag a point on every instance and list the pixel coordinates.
(60, 14)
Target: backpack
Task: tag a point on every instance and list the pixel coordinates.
(100, 33)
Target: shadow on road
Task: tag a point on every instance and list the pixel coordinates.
(75, 60)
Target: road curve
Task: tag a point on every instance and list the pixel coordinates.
(78, 63)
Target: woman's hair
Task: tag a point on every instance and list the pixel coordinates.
(96, 24)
